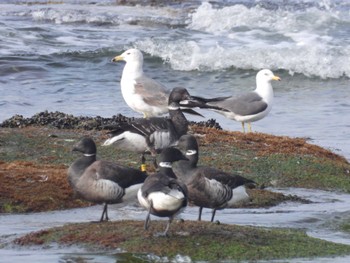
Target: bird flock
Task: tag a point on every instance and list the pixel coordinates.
(178, 179)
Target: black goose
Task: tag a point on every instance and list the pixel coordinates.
(154, 134)
(207, 186)
(102, 181)
(162, 194)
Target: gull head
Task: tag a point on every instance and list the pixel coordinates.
(266, 75)
(130, 55)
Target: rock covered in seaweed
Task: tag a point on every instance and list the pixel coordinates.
(62, 120)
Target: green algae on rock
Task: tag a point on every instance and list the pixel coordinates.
(198, 240)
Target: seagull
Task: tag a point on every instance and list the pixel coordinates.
(101, 181)
(209, 187)
(162, 194)
(251, 106)
(142, 93)
(156, 133)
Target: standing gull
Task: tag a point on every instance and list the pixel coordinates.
(102, 181)
(141, 93)
(251, 106)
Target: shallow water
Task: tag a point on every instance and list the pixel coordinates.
(56, 57)
(319, 219)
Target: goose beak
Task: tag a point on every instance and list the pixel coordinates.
(199, 102)
(183, 157)
(192, 102)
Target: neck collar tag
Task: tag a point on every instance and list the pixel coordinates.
(191, 152)
(165, 164)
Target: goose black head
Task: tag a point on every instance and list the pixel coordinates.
(170, 155)
(178, 94)
(86, 146)
(187, 142)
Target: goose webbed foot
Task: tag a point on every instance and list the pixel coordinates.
(165, 233)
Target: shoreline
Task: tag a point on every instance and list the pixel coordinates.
(33, 170)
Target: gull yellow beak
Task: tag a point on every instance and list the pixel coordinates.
(117, 58)
(276, 78)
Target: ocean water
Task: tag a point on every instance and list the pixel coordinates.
(56, 56)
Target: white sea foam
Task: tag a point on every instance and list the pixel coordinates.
(301, 41)
(114, 15)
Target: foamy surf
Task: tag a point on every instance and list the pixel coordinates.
(255, 37)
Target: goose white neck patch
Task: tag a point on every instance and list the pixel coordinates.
(172, 107)
(191, 152)
(89, 154)
(165, 164)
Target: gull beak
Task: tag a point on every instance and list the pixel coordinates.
(117, 58)
(276, 78)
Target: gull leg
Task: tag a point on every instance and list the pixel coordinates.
(243, 130)
(249, 127)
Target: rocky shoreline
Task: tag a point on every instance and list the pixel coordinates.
(62, 120)
(36, 152)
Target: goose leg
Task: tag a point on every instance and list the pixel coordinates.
(143, 158)
(154, 156)
(213, 215)
(200, 213)
(104, 213)
(167, 227)
(153, 151)
(148, 216)
(155, 162)
(143, 167)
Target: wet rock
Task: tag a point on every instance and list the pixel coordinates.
(62, 120)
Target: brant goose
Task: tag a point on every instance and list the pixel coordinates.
(102, 181)
(251, 106)
(162, 194)
(141, 93)
(207, 186)
(156, 133)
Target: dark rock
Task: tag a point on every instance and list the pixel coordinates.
(62, 120)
